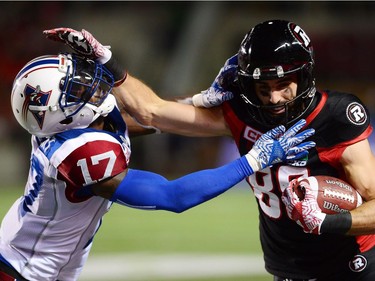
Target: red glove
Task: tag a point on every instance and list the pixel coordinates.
(81, 42)
(306, 211)
(84, 43)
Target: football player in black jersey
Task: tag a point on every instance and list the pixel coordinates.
(270, 82)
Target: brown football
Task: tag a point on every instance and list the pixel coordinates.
(332, 194)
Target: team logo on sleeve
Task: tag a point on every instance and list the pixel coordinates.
(356, 113)
(358, 263)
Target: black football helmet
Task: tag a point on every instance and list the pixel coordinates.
(272, 50)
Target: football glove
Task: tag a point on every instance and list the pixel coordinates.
(275, 146)
(305, 212)
(216, 94)
(84, 43)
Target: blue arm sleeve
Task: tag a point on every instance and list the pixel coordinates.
(147, 190)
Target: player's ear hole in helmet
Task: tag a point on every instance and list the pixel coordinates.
(274, 50)
(56, 93)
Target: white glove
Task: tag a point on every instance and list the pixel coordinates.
(216, 94)
(275, 146)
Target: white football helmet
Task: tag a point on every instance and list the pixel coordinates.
(55, 93)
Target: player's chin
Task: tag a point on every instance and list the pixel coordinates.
(277, 111)
(276, 115)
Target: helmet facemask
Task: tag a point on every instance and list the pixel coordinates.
(293, 109)
(88, 84)
(263, 57)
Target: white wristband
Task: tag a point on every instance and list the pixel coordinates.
(198, 100)
(251, 158)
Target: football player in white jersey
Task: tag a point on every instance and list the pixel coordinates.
(79, 167)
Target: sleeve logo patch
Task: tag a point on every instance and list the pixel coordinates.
(251, 134)
(356, 113)
(358, 263)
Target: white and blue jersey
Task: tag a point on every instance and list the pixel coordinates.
(47, 233)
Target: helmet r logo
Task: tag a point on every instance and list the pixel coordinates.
(300, 35)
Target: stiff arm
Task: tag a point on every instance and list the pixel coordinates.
(141, 102)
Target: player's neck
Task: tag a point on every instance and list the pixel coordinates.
(98, 123)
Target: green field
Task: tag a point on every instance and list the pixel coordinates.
(226, 225)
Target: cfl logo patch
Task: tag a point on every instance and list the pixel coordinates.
(251, 134)
(356, 113)
(358, 263)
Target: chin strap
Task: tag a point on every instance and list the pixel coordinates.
(106, 107)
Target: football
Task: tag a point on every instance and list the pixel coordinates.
(332, 194)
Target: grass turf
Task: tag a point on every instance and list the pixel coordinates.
(226, 224)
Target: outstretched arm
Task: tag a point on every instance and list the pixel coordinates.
(150, 191)
(138, 99)
(168, 116)
(146, 190)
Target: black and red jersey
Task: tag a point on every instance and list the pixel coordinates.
(339, 120)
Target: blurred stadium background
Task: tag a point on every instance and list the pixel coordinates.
(178, 48)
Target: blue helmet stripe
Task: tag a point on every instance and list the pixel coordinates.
(37, 63)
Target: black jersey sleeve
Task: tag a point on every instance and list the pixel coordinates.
(343, 119)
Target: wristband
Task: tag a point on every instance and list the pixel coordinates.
(197, 100)
(119, 72)
(337, 224)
